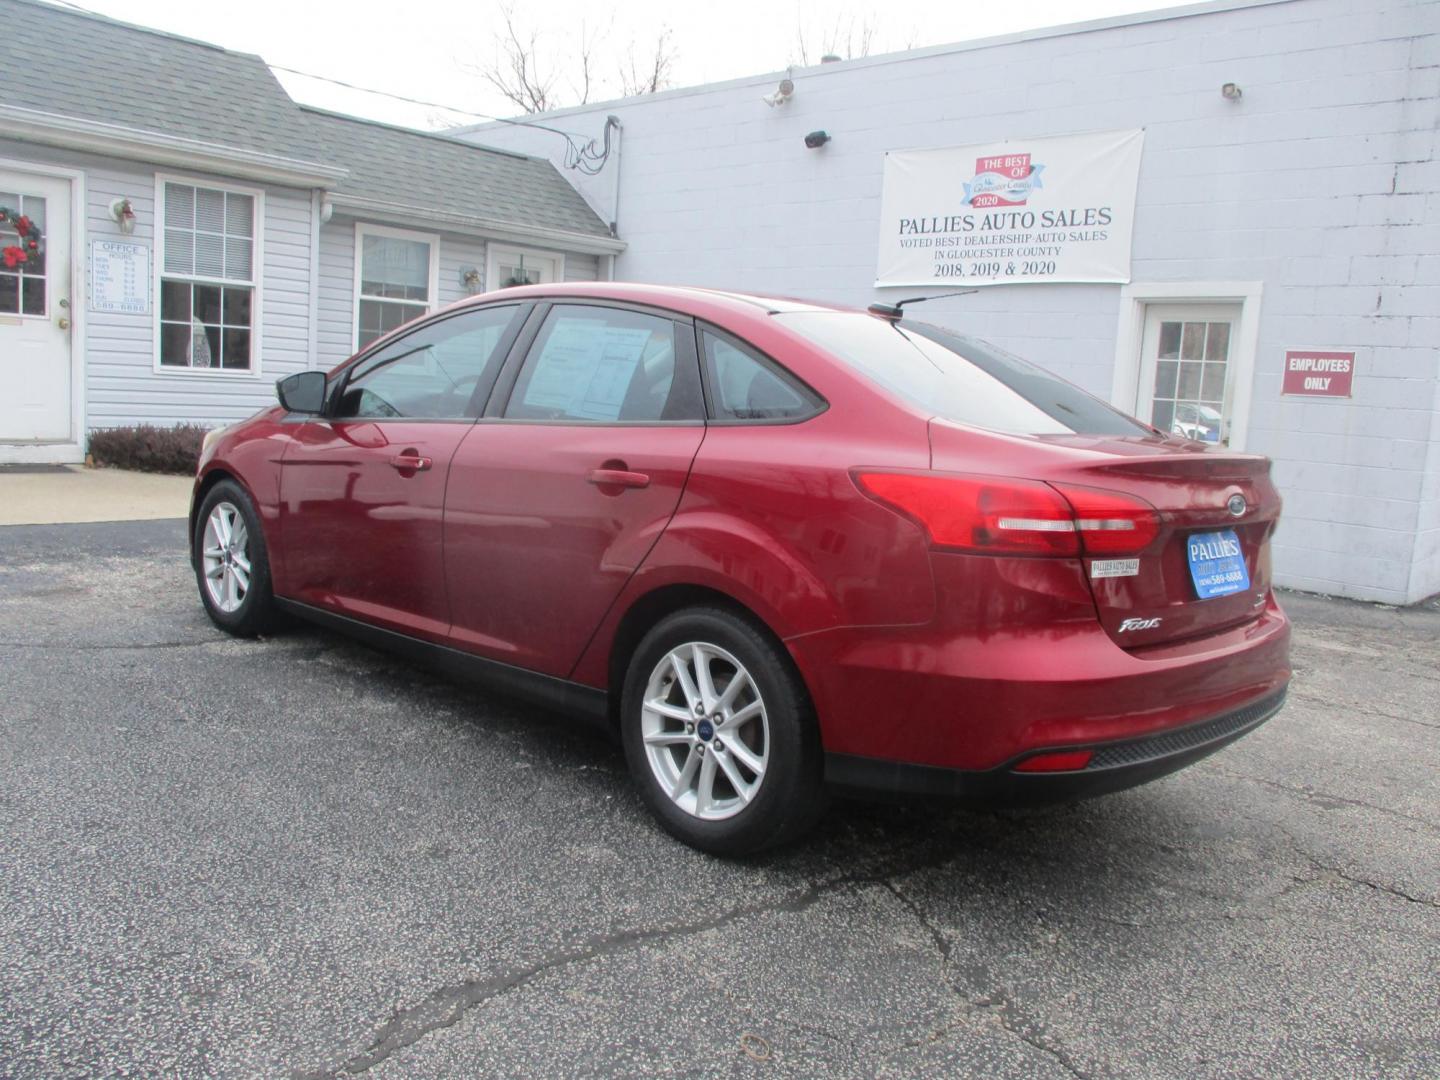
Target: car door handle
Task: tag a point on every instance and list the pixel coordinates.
(410, 462)
(618, 478)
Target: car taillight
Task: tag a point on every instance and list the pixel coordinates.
(1111, 522)
(1001, 516)
(991, 515)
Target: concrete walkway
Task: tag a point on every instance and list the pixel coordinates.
(52, 495)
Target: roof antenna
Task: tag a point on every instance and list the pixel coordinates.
(894, 312)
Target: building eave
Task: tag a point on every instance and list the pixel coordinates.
(115, 140)
(489, 228)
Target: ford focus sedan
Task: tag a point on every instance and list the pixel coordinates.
(778, 548)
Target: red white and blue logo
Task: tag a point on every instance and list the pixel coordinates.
(1003, 180)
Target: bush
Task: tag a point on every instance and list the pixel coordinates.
(149, 449)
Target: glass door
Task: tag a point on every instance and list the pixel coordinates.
(1187, 379)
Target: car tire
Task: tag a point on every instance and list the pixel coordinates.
(765, 768)
(232, 565)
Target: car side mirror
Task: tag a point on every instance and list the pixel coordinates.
(303, 392)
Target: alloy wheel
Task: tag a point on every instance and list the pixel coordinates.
(705, 731)
(225, 557)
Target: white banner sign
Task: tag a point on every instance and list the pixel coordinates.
(1057, 209)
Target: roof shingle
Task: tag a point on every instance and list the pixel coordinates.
(93, 68)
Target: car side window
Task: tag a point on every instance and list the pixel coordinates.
(430, 374)
(743, 386)
(605, 365)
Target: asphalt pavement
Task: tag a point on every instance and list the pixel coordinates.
(300, 857)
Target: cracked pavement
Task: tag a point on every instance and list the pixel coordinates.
(300, 857)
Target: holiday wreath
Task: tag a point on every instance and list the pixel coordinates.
(27, 232)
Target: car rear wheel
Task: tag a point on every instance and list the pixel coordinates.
(719, 734)
(231, 564)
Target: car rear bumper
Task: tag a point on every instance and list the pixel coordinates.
(1114, 766)
(975, 694)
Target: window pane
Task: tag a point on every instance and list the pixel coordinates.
(744, 388)
(204, 345)
(514, 274)
(209, 210)
(34, 208)
(175, 344)
(1217, 342)
(239, 256)
(1167, 373)
(207, 303)
(1212, 385)
(431, 373)
(378, 318)
(1192, 344)
(1189, 380)
(237, 349)
(179, 252)
(237, 307)
(1163, 416)
(175, 301)
(179, 207)
(32, 295)
(1169, 341)
(209, 255)
(403, 265)
(239, 214)
(9, 294)
(597, 364)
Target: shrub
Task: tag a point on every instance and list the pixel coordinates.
(149, 449)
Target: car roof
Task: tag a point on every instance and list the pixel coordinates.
(687, 298)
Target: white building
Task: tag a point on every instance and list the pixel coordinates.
(198, 234)
(1298, 211)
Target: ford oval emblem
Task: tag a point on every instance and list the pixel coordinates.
(1236, 505)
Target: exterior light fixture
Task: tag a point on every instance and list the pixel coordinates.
(124, 215)
(1231, 91)
(816, 139)
(470, 279)
(782, 93)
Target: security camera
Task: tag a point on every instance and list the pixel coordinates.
(781, 95)
(817, 139)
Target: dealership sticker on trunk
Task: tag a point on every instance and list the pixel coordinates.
(1217, 564)
(1103, 568)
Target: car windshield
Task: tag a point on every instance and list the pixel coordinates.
(960, 378)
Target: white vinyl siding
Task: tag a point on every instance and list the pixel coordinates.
(121, 383)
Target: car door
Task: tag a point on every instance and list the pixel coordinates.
(557, 495)
(363, 486)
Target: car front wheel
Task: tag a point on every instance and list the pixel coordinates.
(231, 563)
(719, 734)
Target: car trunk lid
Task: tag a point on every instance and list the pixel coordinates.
(1215, 502)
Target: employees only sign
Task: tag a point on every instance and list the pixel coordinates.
(1056, 209)
(1318, 373)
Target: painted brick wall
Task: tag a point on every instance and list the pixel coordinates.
(1321, 183)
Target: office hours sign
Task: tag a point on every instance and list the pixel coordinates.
(1027, 210)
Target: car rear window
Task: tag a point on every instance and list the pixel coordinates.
(959, 378)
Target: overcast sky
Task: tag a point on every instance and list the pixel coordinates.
(437, 50)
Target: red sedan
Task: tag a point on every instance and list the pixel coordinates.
(779, 547)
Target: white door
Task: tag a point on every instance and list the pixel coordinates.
(1187, 370)
(35, 373)
(515, 266)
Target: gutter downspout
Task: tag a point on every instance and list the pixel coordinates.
(313, 342)
(614, 121)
